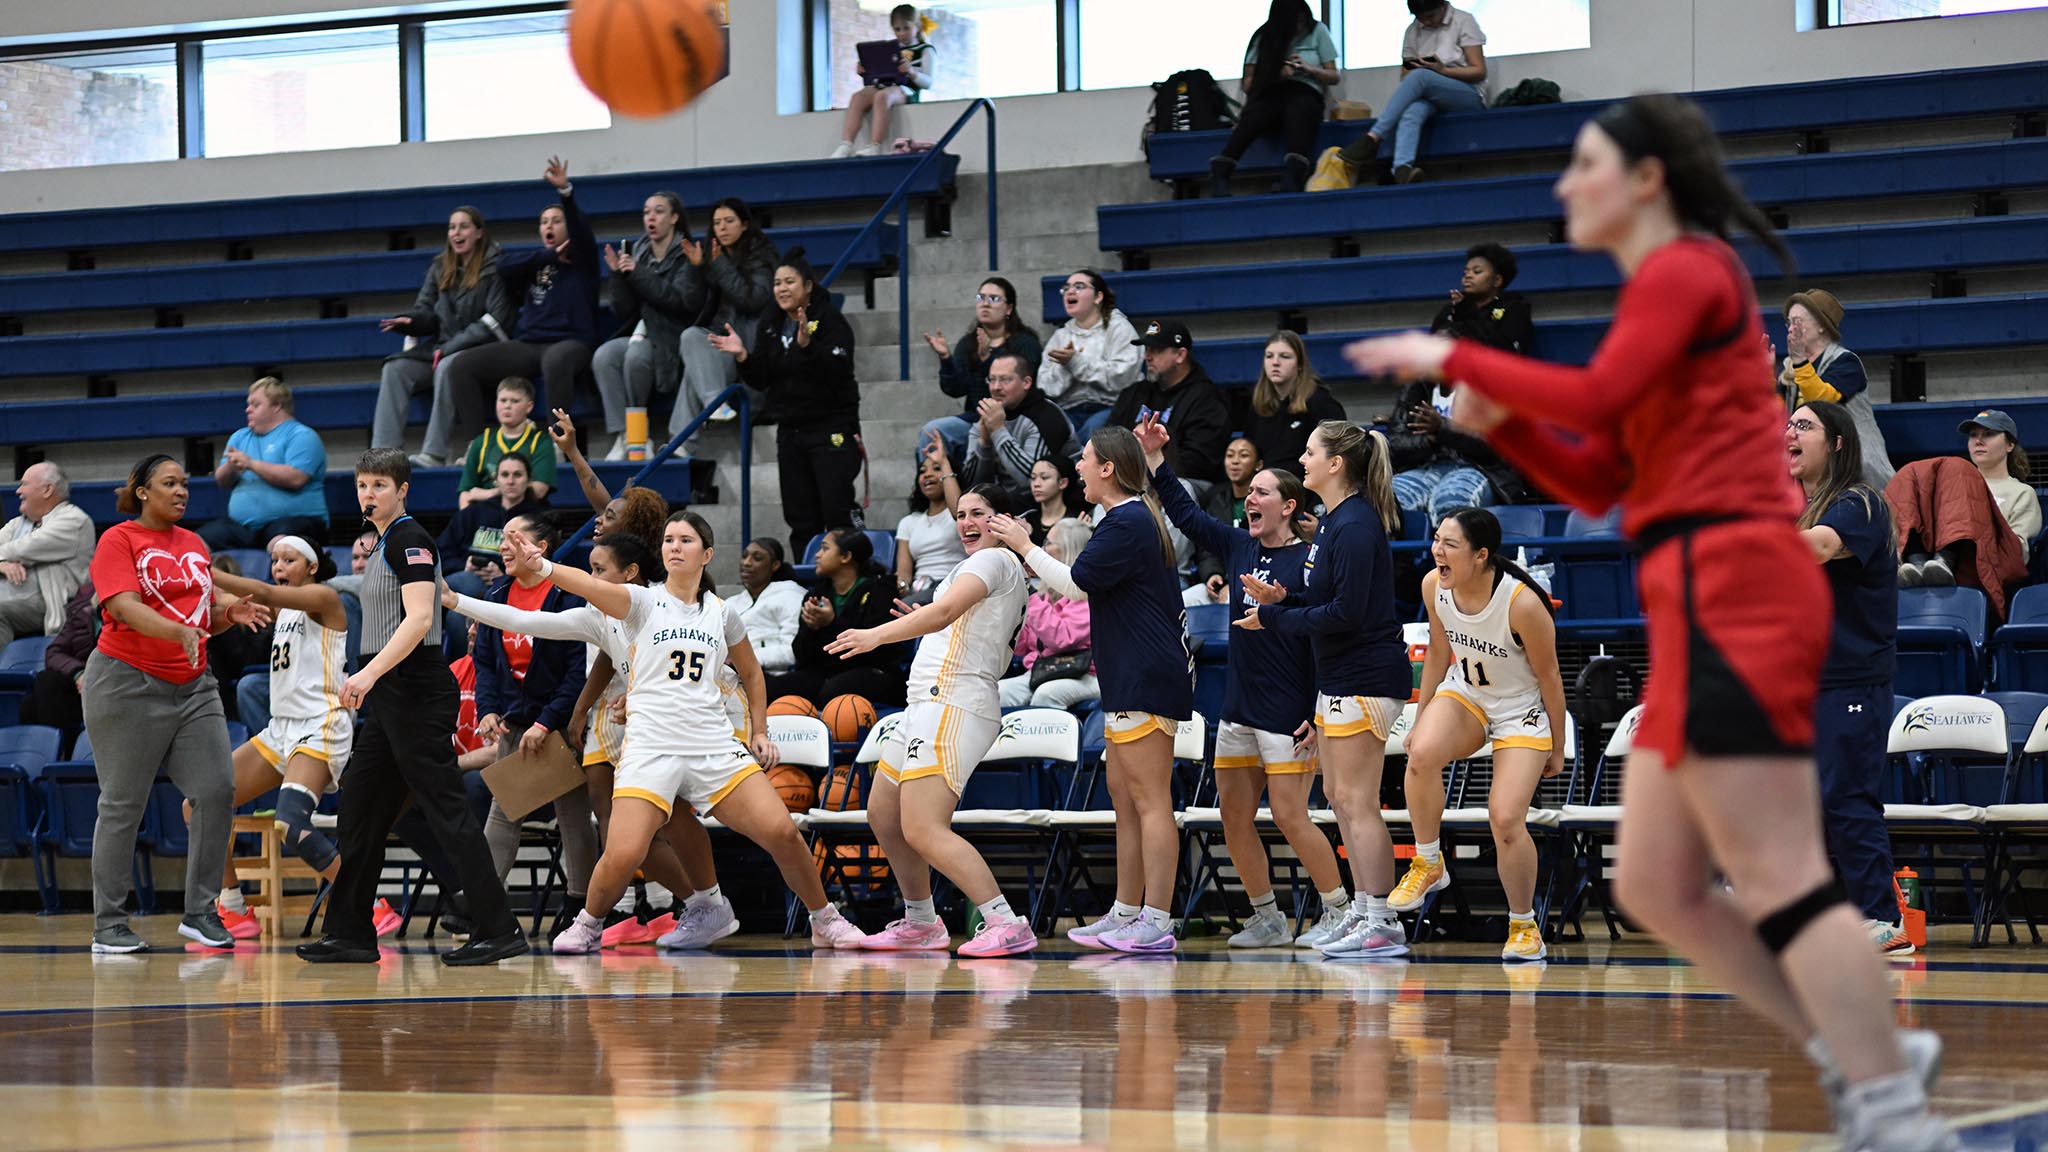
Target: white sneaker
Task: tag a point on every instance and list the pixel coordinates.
(1266, 929)
(724, 414)
(835, 931)
(618, 451)
(1890, 1114)
(1918, 1047)
(1891, 940)
(1371, 940)
(844, 150)
(869, 149)
(1090, 935)
(1333, 924)
(579, 938)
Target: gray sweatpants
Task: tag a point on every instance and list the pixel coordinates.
(138, 724)
(400, 380)
(573, 815)
(624, 368)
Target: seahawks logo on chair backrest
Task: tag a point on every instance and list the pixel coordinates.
(1624, 739)
(1038, 734)
(802, 740)
(878, 735)
(1949, 724)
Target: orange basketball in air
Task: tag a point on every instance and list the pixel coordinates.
(791, 706)
(849, 717)
(795, 787)
(646, 57)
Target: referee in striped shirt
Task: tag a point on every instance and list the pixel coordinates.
(409, 701)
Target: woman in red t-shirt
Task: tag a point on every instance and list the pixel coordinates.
(1675, 419)
(150, 701)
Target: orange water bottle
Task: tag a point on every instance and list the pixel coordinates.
(1912, 910)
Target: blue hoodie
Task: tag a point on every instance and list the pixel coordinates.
(557, 297)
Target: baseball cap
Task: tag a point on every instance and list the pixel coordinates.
(1992, 420)
(1161, 334)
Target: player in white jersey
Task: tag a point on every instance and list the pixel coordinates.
(1491, 677)
(678, 740)
(952, 719)
(302, 752)
(621, 558)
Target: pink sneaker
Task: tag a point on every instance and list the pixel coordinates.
(578, 939)
(633, 930)
(242, 925)
(836, 932)
(909, 935)
(385, 918)
(1011, 939)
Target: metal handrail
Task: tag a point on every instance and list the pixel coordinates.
(736, 395)
(899, 201)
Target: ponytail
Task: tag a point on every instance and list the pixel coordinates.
(1367, 464)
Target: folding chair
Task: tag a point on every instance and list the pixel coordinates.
(2019, 821)
(1591, 827)
(1941, 641)
(1467, 822)
(24, 750)
(2019, 651)
(1946, 760)
(1084, 820)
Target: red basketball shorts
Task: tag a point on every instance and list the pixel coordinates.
(1739, 620)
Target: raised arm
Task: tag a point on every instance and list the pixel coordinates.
(315, 600)
(582, 622)
(967, 591)
(614, 600)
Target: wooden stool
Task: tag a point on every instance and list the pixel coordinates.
(269, 870)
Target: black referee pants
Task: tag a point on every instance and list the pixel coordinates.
(405, 747)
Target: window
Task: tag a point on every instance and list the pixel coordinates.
(981, 47)
(112, 107)
(1132, 43)
(1875, 11)
(1373, 28)
(505, 76)
(301, 91)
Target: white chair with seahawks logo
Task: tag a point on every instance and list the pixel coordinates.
(1946, 758)
(1032, 750)
(2019, 825)
(1083, 837)
(1591, 827)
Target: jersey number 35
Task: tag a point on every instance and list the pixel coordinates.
(686, 666)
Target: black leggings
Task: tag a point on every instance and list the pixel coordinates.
(1294, 110)
(817, 481)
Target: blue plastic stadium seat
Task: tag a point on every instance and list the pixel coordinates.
(2019, 652)
(21, 660)
(1518, 521)
(1941, 641)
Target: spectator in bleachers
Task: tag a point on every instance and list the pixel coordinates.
(1443, 69)
(1241, 461)
(1016, 426)
(515, 432)
(964, 364)
(1287, 403)
(470, 543)
(275, 474)
(770, 601)
(1952, 526)
(557, 286)
(1850, 528)
(1817, 367)
(735, 273)
(852, 591)
(1089, 360)
(1055, 626)
(52, 698)
(1481, 308)
(652, 307)
(802, 358)
(927, 543)
(45, 554)
(1055, 496)
(880, 95)
(462, 303)
(1178, 390)
(1290, 65)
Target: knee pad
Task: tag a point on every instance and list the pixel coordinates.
(295, 811)
(1781, 928)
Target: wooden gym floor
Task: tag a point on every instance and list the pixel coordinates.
(761, 1046)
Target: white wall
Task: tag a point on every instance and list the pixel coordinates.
(1637, 45)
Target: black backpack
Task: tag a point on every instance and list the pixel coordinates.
(1191, 101)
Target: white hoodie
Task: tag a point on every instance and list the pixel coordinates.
(1106, 361)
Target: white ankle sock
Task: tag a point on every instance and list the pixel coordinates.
(659, 898)
(920, 911)
(585, 919)
(1159, 918)
(231, 900)
(1376, 909)
(1265, 903)
(629, 901)
(1429, 851)
(1123, 911)
(997, 911)
(709, 895)
(1337, 899)
(1521, 917)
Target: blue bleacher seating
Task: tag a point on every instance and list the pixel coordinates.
(1813, 106)
(885, 553)
(1472, 204)
(762, 186)
(1941, 641)
(1835, 253)
(24, 751)
(21, 660)
(1519, 521)
(2019, 652)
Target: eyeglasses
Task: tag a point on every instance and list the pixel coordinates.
(988, 298)
(1803, 425)
(1794, 322)
(1078, 286)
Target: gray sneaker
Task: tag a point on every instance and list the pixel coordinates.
(1266, 929)
(121, 939)
(206, 928)
(699, 927)
(422, 460)
(1329, 927)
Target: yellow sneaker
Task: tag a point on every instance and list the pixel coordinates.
(1525, 942)
(1420, 880)
(1332, 173)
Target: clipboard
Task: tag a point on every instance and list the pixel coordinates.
(882, 60)
(521, 784)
